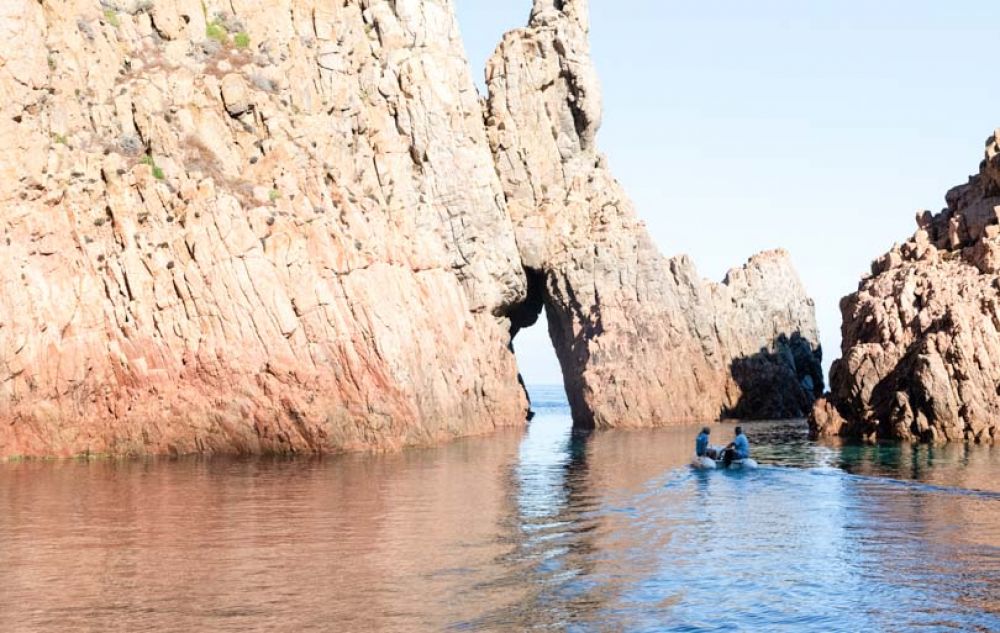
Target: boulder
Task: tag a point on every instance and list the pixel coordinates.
(235, 95)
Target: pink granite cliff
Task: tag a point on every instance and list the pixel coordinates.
(293, 226)
(641, 338)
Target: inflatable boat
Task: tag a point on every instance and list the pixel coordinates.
(707, 463)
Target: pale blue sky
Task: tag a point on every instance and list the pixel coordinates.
(818, 126)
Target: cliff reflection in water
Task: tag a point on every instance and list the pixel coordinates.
(511, 532)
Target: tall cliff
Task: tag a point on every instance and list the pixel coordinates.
(921, 336)
(642, 339)
(247, 226)
(291, 226)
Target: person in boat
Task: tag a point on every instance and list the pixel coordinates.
(737, 449)
(701, 447)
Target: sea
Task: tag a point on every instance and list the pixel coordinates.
(538, 529)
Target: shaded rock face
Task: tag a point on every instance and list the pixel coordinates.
(284, 227)
(247, 227)
(921, 336)
(642, 339)
(779, 382)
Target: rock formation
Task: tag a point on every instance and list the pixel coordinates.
(247, 226)
(921, 336)
(283, 226)
(641, 339)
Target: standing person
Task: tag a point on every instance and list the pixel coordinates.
(737, 449)
(701, 448)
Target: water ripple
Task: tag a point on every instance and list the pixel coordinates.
(550, 530)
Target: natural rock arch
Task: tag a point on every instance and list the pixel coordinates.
(642, 339)
(313, 238)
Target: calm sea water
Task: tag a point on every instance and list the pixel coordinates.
(542, 530)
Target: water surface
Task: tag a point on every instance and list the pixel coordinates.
(537, 530)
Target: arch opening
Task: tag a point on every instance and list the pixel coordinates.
(539, 369)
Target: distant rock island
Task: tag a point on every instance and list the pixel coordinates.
(295, 226)
(921, 336)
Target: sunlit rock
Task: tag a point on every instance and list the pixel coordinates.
(921, 336)
(643, 340)
(291, 226)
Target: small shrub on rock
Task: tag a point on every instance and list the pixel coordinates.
(111, 17)
(216, 32)
(151, 162)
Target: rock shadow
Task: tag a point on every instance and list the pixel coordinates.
(781, 381)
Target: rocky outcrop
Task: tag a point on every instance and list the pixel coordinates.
(921, 336)
(283, 226)
(642, 339)
(247, 227)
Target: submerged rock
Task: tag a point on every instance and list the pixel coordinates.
(921, 336)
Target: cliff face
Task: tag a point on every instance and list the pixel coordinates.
(921, 336)
(284, 226)
(247, 226)
(642, 339)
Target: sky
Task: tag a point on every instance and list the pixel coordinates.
(819, 127)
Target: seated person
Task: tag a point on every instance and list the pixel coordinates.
(701, 447)
(738, 448)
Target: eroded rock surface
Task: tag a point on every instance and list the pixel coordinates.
(245, 226)
(642, 339)
(291, 226)
(921, 336)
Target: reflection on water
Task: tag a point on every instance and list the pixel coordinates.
(549, 530)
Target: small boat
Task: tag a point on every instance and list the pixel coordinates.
(703, 463)
(707, 463)
(746, 464)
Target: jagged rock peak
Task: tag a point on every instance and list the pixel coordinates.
(549, 12)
